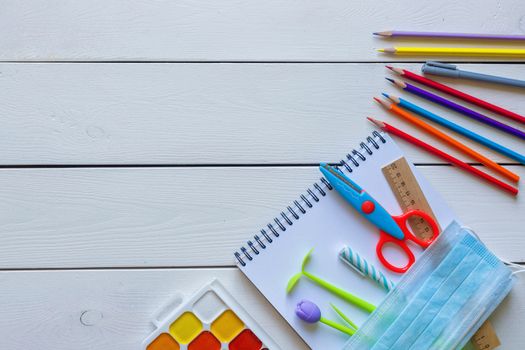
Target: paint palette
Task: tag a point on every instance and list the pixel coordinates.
(210, 320)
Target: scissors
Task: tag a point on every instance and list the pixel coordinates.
(392, 229)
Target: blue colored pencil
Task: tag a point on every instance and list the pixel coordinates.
(458, 108)
(457, 128)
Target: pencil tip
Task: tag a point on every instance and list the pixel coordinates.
(398, 70)
(380, 50)
(390, 67)
(391, 80)
(385, 94)
(383, 33)
(394, 98)
(376, 122)
(377, 99)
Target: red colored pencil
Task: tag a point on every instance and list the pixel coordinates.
(417, 142)
(459, 94)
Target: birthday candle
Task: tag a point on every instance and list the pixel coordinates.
(354, 260)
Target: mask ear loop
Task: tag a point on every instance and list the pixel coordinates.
(520, 268)
(471, 231)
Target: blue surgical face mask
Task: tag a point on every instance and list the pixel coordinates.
(442, 300)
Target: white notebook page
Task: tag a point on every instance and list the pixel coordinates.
(329, 225)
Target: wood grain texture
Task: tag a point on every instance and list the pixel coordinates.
(232, 30)
(191, 216)
(209, 113)
(200, 114)
(111, 309)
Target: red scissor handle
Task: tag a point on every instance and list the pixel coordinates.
(385, 238)
(402, 221)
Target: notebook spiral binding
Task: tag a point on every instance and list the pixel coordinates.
(306, 201)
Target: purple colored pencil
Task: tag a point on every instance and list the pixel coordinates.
(458, 108)
(403, 33)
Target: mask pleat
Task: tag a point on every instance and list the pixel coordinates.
(422, 298)
(441, 301)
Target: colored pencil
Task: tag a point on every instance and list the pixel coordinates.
(447, 139)
(430, 149)
(415, 34)
(457, 128)
(454, 51)
(456, 93)
(458, 108)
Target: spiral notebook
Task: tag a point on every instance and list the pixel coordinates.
(322, 220)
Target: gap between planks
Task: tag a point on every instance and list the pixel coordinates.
(252, 62)
(139, 268)
(210, 165)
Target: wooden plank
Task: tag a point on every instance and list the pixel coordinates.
(229, 30)
(191, 216)
(111, 309)
(206, 113)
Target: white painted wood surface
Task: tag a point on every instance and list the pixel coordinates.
(112, 309)
(190, 216)
(122, 223)
(209, 113)
(233, 30)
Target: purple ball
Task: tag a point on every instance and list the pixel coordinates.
(308, 311)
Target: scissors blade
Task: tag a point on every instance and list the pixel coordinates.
(346, 187)
(363, 202)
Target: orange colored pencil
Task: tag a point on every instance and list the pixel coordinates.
(459, 163)
(392, 107)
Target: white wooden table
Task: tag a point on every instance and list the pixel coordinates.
(143, 141)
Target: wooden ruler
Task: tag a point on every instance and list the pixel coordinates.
(409, 195)
(485, 338)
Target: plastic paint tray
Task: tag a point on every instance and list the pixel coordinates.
(210, 320)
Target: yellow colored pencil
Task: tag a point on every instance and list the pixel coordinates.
(454, 51)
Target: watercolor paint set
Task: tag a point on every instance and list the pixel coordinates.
(210, 319)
